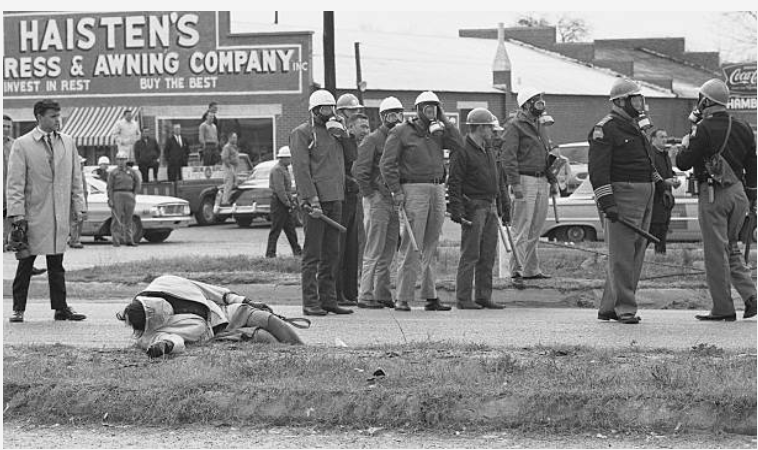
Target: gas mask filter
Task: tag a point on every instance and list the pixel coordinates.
(335, 128)
(546, 119)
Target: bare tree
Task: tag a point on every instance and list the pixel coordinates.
(572, 29)
(530, 20)
(569, 29)
(737, 35)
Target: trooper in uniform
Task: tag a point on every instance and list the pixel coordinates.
(413, 166)
(346, 277)
(282, 205)
(524, 157)
(123, 186)
(319, 167)
(623, 176)
(380, 217)
(474, 191)
(722, 206)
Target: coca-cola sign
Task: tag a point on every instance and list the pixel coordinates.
(741, 78)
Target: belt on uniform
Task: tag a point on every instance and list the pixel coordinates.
(532, 173)
(422, 180)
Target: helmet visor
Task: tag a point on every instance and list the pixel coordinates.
(393, 116)
(638, 102)
(429, 110)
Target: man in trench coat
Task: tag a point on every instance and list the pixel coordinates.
(44, 186)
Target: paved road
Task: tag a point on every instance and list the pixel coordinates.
(512, 327)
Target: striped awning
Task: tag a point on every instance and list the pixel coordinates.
(93, 125)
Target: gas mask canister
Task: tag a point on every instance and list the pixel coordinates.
(643, 120)
(335, 128)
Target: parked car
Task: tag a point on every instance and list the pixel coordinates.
(155, 216)
(579, 217)
(577, 154)
(253, 201)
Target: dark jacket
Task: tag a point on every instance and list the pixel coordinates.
(412, 155)
(146, 151)
(350, 154)
(473, 176)
(707, 139)
(619, 151)
(318, 163)
(280, 183)
(366, 167)
(662, 163)
(173, 153)
(525, 147)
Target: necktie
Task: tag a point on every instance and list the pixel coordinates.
(179, 140)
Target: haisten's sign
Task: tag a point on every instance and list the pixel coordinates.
(141, 54)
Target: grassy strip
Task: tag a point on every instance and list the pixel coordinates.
(429, 386)
(572, 269)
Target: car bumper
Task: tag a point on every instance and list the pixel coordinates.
(165, 223)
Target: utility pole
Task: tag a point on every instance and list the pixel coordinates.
(360, 84)
(330, 75)
(276, 17)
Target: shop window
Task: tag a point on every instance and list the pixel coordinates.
(255, 136)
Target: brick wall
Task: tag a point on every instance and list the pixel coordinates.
(580, 51)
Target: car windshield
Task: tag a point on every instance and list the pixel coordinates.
(576, 155)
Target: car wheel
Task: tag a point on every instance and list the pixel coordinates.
(579, 234)
(205, 215)
(243, 222)
(157, 236)
(137, 232)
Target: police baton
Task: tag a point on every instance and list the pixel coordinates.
(407, 225)
(555, 209)
(639, 230)
(513, 245)
(318, 214)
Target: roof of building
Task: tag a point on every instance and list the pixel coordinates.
(400, 62)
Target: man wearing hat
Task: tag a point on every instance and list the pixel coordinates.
(282, 204)
(123, 185)
(525, 161)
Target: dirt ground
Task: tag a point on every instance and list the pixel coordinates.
(21, 435)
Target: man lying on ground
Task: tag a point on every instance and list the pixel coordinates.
(174, 311)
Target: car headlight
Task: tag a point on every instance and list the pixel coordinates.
(186, 210)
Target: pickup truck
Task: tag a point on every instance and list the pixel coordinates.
(199, 187)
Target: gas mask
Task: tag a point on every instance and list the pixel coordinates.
(697, 114)
(392, 118)
(429, 112)
(537, 107)
(324, 113)
(634, 105)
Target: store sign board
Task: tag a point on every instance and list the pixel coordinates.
(138, 54)
(741, 78)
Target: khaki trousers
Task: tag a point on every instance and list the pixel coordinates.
(529, 214)
(720, 223)
(626, 249)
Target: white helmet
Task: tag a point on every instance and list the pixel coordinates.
(348, 101)
(284, 152)
(389, 104)
(427, 97)
(122, 155)
(103, 160)
(525, 94)
(322, 97)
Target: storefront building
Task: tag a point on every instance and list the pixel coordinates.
(164, 66)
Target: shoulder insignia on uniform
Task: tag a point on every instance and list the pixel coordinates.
(597, 133)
